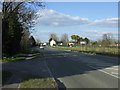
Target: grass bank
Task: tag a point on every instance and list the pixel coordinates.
(38, 83)
(94, 50)
(33, 53)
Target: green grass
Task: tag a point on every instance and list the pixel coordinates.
(38, 83)
(22, 55)
(96, 50)
(5, 76)
(12, 59)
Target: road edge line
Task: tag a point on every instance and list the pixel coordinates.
(104, 72)
(50, 73)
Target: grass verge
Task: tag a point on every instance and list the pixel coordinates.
(102, 51)
(38, 83)
(33, 53)
(5, 76)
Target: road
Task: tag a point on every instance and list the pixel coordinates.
(79, 70)
(22, 69)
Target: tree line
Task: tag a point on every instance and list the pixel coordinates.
(17, 19)
(106, 41)
(79, 39)
(65, 39)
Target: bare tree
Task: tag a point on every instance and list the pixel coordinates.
(107, 39)
(64, 38)
(38, 41)
(53, 36)
(24, 43)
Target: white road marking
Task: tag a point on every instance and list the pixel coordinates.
(99, 67)
(114, 73)
(104, 72)
(112, 68)
(115, 66)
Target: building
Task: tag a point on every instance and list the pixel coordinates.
(52, 43)
(83, 42)
(59, 43)
(44, 44)
(71, 44)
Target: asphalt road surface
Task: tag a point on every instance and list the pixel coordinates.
(80, 70)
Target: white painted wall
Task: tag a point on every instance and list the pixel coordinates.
(52, 42)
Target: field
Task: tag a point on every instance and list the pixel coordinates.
(93, 50)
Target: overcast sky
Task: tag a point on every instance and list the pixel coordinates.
(86, 19)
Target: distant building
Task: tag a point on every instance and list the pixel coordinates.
(60, 43)
(52, 43)
(83, 42)
(44, 44)
(71, 44)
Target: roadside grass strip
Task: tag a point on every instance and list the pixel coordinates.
(33, 53)
(38, 83)
(91, 50)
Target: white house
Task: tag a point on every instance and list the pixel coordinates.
(52, 43)
(44, 44)
(61, 43)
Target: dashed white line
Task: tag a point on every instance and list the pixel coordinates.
(114, 73)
